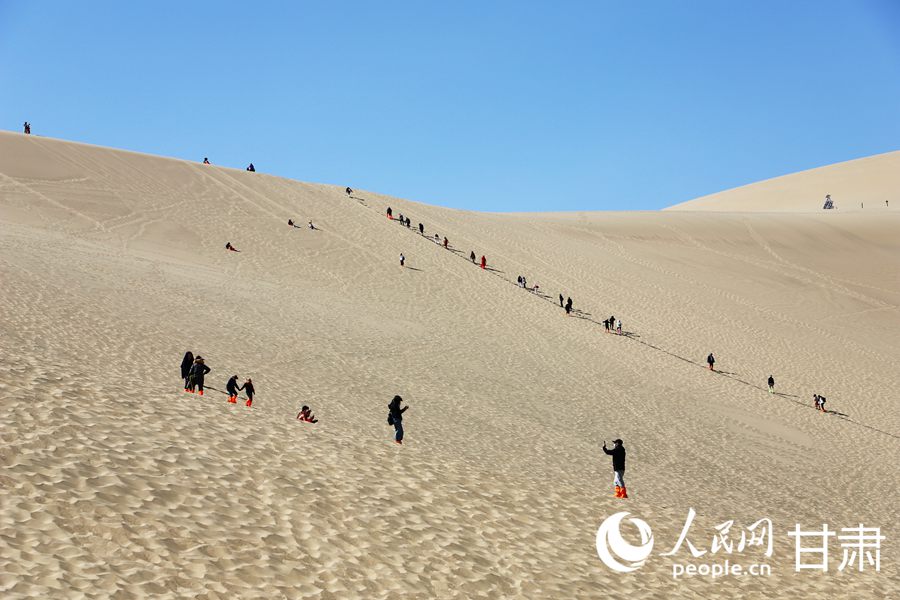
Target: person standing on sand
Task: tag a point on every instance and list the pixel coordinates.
(561, 301)
(251, 168)
(349, 191)
(618, 326)
(711, 361)
(771, 383)
(186, 363)
(395, 418)
(402, 260)
(390, 213)
(472, 256)
(27, 128)
(446, 242)
(232, 388)
(197, 373)
(820, 402)
(483, 262)
(421, 229)
(606, 325)
(618, 460)
(568, 306)
(249, 390)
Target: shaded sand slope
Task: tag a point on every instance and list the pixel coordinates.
(117, 484)
(855, 185)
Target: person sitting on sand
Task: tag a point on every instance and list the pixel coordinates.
(228, 246)
(197, 374)
(306, 415)
(249, 390)
(395, 418)
(251, 168)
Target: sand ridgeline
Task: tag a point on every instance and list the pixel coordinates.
(862, 185)
(118, 484)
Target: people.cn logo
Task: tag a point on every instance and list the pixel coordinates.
(615, 552)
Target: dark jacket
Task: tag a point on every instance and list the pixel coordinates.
(618, 454)
(771, 382)
(397, 412)
(198, 371)
(186, 363)
(248, 388)
(232, 385)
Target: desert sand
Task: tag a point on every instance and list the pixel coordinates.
(117, 484)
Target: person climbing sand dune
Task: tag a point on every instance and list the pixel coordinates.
(606, 325)
(402, 260)
(232, 388)
(186, 363)
(251, 168)
(197, 374)
(568, 306)
(771, 383)
(472, 256)
(395, 418)
(249, 390)
(349, 191)
(205, 160)
(390, 213)
(311, 226)
(561, 301)
(446, 242)
(483, 262)
(618, 460)
(618, 326)
(421, 229)
(711, 361)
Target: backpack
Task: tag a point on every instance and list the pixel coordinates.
(390, 419)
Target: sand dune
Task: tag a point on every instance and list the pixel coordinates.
(118, 484)
(855, 185)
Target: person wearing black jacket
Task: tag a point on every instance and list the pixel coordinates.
(249, 390)
(186, 363)
(618, 459)
(232, 388)
(395, 418)
(711, 361)
(197, 373)
(771, 383)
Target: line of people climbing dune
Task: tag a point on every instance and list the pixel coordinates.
(194, 369)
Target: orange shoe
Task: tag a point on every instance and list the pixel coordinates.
(249, 403)
(618, 491)
(624, 493)
(200, 392)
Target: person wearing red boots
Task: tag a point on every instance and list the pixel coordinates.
(232, 388)
(618, 458)
(248, 389)
(196, 375)
(186, 363)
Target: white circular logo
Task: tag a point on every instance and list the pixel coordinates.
(615, 552)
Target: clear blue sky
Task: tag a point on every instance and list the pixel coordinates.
(498, 106)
